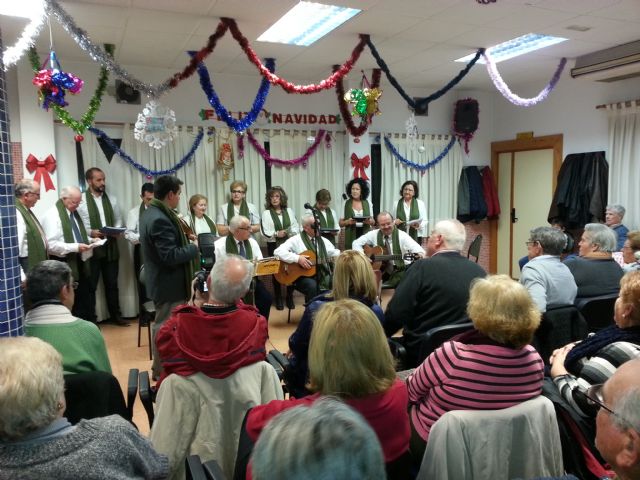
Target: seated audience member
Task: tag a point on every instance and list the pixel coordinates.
(324, 440)
(221, 336)
(394, 242)
(592, 361)
(51, 290)
(290, 252)
(37, 442)
(352, 278)
(434, 291)
(488, 368)
(618, 420)
(349, 358)
(613, 219)
(595, 271)
(239, 242)
(631, 252)
(547, 279)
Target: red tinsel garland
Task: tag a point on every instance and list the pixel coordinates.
(289, 87)
(344, 108)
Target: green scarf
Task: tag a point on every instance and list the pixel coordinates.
(328, 222)
(212, 226)
(232, 247)
(395, 239)
(191, 266)
(73, 259)
(350, 230)
(244, 211)
(285, 225)
(321, 260)
(110, 249)
(414, 214)
(35, 243)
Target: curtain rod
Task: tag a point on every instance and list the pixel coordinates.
(620, 105)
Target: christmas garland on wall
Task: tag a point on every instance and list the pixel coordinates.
(243, 124)
(141, 168)
(302, 160)
(78, 126)
(420, 167)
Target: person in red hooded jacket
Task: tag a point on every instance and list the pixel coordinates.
(221, 335)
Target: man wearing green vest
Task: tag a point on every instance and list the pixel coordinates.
(67, 239)
(32, 241)
(99, 210)
(393, 242)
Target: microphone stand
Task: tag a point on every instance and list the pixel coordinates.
(318, 238)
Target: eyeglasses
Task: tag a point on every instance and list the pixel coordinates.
(74, 285)
(37, 194)
(596, 399)
(530, 243)
(237, 191)
(244, 228)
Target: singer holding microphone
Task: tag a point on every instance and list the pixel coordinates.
(278, 224)
(237, 206)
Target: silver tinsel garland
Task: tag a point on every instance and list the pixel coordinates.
(99, 55)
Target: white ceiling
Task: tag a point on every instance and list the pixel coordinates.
(419, 39)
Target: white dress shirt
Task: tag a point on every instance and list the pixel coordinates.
(407, 244)
(220, 246)
(289, 251)
(83, 210)
(422, 213)
(55, 238)
(269, 229)
(254, 216)
(132, 232)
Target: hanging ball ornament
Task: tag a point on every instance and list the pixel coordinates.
(356, 140)
(311, 139)
(421, 149)
(78, 138)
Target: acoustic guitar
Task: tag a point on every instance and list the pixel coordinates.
(377, 256)
(290, 272)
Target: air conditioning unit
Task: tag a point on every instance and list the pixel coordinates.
(609, 65)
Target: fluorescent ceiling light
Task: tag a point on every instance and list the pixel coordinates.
(22, 8)
(307, 22)
(516, 47)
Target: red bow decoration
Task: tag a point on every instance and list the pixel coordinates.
(359, 165)
(42, 168)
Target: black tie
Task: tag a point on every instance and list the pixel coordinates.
(241, 250)
(76, 230)
(388, 269)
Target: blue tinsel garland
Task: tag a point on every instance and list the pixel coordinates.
(149, 173)
(417, 166)
(261, 97)
(435, 95)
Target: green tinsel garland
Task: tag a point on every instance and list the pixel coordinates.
(94, 104)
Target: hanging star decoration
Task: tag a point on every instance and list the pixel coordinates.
(156, 125)
(53, 83)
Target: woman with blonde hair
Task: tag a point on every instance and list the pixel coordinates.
(490, 367)
(237, 205)
(352, 278)
(37, 441)
(199, 221)
(349, 358)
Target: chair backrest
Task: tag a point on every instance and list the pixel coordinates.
(194, 469)
(517, 442)
(474, 247)
(202, 415)
(436, 336)
(560, 325)
(146, 395)
(213, 471)
(92, 395)
(597, 311)
(132, 390)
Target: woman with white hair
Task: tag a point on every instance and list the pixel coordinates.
(37, 442)
(595, 271)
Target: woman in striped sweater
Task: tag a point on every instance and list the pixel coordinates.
(490, 367)
(577, 366)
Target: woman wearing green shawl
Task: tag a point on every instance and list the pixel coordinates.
(411, 213)
(199, 221)
(237, 206)
(278, 223)
(357, 219)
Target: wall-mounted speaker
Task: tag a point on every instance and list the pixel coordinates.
(127, 94)
(465, 116)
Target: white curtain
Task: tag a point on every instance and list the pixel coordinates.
(438, 186)
(624, 152)
(327, 168)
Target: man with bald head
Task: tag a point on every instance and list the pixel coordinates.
(223, 334)
(618, 420)
(67, 239)
(434, 291)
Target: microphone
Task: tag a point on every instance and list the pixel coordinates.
(345, 196)
(308, 206)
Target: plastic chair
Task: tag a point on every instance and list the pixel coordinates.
(474, 247)
(560, 325)
(146, 395)
(146, 309)
(597, 311)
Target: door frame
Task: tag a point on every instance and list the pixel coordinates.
(553, 142)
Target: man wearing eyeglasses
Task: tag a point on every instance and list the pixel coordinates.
(239, 242)
(32, 241)
(618, 420)
(67, 239)
(52, 291)
(548, 280)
